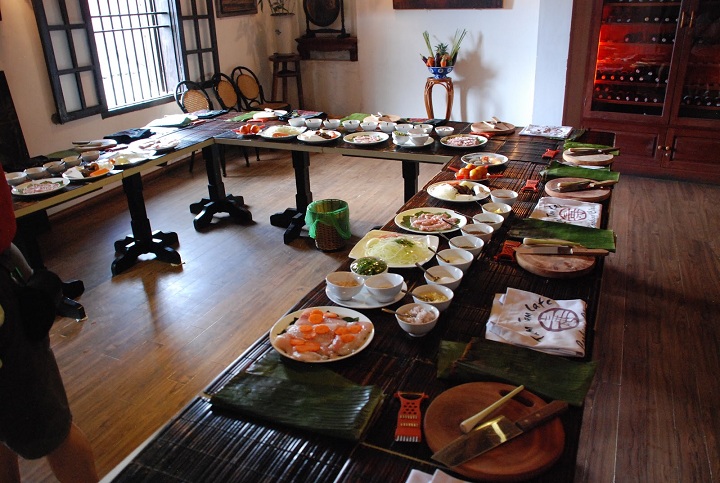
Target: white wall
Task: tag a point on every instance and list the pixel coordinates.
(497, 72)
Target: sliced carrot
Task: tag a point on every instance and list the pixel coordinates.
(354, 328)
(305, 328)
(322, 329)
(341, 330)
(308, 347)
(331, 315)
(315, 318)
(99, 172)
(347, 338)
(297, 341)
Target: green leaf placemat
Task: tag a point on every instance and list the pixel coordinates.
(244, 116)
(62, 154)
(559, 170)
(550, 376)
(358, 116)
(575, 145)
(337, 411)
(585, 236)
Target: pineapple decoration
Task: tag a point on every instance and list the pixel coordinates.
(440, 61)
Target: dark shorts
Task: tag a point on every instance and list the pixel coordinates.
(34, 412)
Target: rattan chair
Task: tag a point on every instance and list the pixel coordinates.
(251, 92)
(227, 96)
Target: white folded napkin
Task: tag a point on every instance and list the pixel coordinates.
(536, 322)
(561, 210)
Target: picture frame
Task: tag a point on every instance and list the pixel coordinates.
(446, 4)
(229, 8)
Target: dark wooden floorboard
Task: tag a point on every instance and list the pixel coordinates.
(157, 334)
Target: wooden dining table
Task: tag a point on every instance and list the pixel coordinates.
(203, 443)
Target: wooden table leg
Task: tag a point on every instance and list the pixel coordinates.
(293, 219)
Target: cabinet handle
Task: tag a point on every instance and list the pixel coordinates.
(664, 148)
(682, 19)
(692, 19)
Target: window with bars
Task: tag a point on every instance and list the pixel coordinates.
(113, 56)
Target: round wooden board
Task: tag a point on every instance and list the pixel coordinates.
(592, 160)
(592, 195)
(556, 266)
(503, 128)
(526, 456)
(384, 117)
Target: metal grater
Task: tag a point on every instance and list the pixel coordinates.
(409, 422)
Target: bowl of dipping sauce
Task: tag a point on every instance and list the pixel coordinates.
(55, 167)
(502, 209)
(443, 131)
(456, 257)
(492, 219)
(351, 125)
(445, 275)
(313, 123)
(16, 178)
(296, 121)
(471, 243)
(331, 123)
(37, 172)
(368, 266)
(438, 296)
(417, 319)
(509, 197)
(344, 285)
(482, 231)
(385, 286)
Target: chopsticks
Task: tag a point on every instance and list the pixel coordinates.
(468, 425)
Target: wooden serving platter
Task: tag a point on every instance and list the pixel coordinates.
(556, 266)
(526, 456)
(500, 128)
(591, 160)
(592, 195)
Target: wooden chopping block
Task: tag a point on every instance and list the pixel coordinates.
(590, 160)
(500, 128)
(592, 195)
(556, 266)
(526, 456)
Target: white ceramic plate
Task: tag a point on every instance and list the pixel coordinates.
(282, 324)
(51, 185)
(484, 159)
(401, 219)
(312, 137)
(437, 190)
(364, 300)
(96, 145)
(469, 141)
(87, 178)
(282, 133)
(126, 159)
(154, 145)
(410, 145)
(430, 241)
(365, 138)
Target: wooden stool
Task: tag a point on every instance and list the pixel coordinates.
(281, 72)
(447, 83)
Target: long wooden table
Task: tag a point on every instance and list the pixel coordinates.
(201, 444)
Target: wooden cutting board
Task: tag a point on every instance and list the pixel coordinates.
(526, 456)
(592, 160)
(556, 266)
(593, 195)
(500, 128)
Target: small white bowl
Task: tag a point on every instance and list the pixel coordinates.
(369, 125)
(16, 178)
(427, 128)
(443, 131)
(509, 197)
(344, 285)
(403, 127)
(387, 126)
(313, 123)
(385, 286)
(447, 276)
(296, 121)
(502, 209)
(331, 123)
(368, 266)
(492, 219)
(72, 161)
(55, 167)
(456, 257)
(400, 137)
(418, 137)
(417, 326)
(436, 295)
(37, 173)
(90, 156)
(482, 231)
(471, 243)
(351, 125)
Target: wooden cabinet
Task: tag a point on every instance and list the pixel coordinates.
(654, 80)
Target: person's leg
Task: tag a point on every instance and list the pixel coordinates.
(9, 468)
(73, 460)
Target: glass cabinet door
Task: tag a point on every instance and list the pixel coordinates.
(634, 54)
(701, 82)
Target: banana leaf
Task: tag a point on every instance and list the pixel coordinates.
(559, 170)
(244, 116)
(547, 375)
(585, 236)
(357, 116)
(575, 145)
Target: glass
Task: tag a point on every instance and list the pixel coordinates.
(634, 54)
(701, 83)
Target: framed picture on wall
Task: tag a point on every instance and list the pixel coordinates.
(227, 8)
(446, 4)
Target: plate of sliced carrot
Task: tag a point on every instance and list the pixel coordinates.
(321, 334)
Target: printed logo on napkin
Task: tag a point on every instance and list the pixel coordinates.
(536, 322)
(563, 210)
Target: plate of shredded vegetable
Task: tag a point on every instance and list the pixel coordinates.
(398, 250)
(430, 220)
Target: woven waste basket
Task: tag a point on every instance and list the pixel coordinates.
(329, 223)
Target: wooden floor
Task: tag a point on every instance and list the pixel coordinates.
(157, 335)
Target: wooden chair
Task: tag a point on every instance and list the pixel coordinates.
(251, 92)
(228, 97)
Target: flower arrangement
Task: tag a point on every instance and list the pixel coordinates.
(440, 56)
